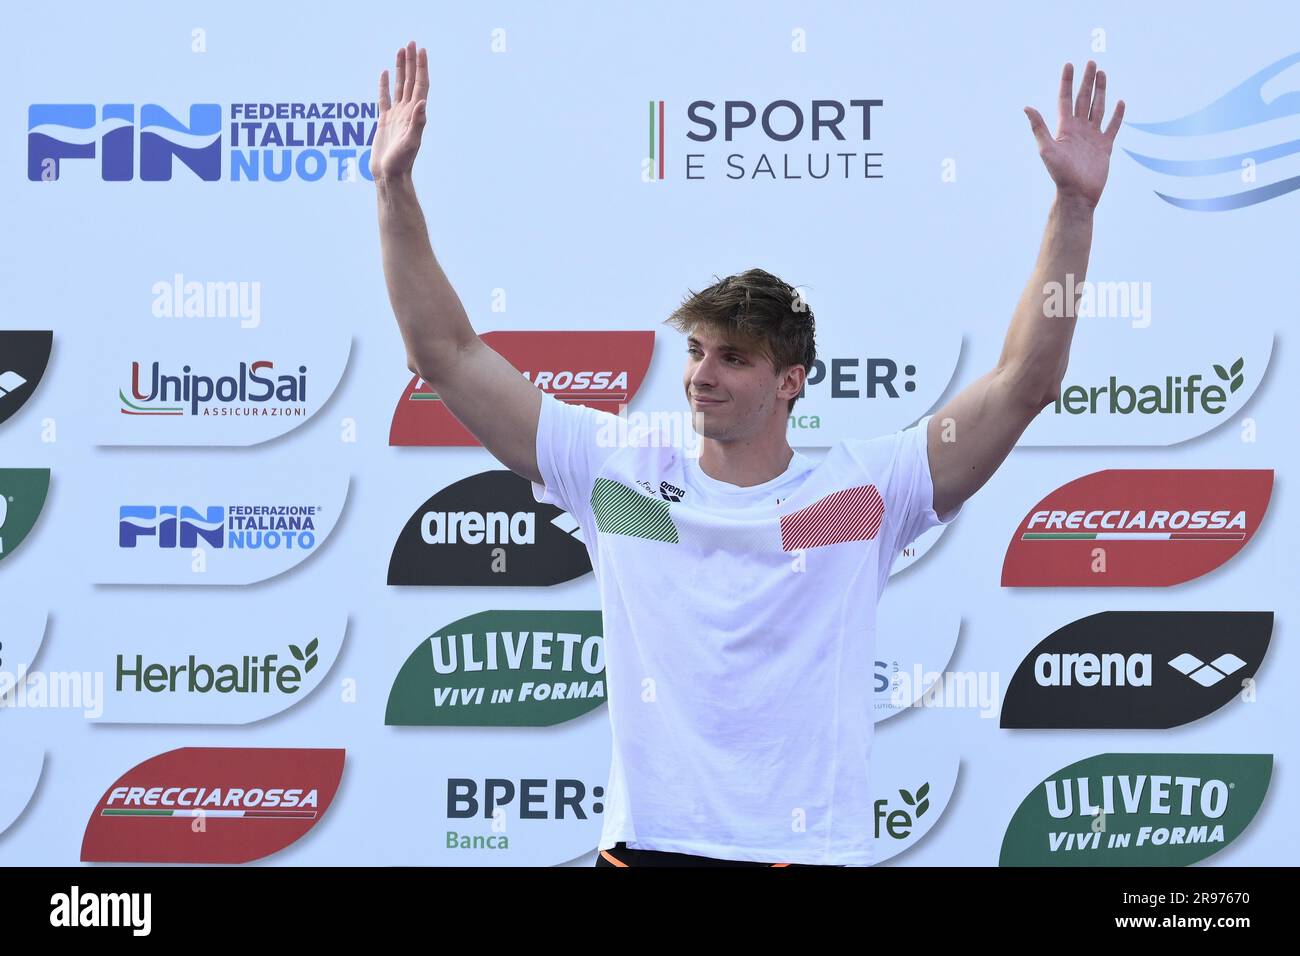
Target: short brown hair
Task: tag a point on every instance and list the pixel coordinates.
(757, 307)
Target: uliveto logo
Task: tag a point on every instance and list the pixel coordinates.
(1137, 528)
(488, 530)
(22, 496)
(503, 668)
(603, 370)
(1138, 669)
(1137, 810)
(212, 805)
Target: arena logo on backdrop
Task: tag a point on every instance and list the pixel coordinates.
(1235, 130)
(1137, 527)
(209, 536)
(24, 356)
(232, 671)
(503, 669)
(488, 530)
(1125, 399)
(785, 140)
(22, 496)
(212, 805)
(1136, 670)
(267, 142)
(1156, 809)
(603, 370)
(484, 818)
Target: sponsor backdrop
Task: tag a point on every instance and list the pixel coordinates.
(263, 599)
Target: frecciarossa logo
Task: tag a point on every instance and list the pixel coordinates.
(212, 805)
(600, 369)
(1137, 528)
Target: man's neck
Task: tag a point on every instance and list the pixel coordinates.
(745, 463)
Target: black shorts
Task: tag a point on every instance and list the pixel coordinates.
(620, 855)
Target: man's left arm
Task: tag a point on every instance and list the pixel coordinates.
(970, 436)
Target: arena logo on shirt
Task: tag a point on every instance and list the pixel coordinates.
(22, 496)
(212, 805)
(781, 140)
(488, 530)
(1137, 528)
(603, 370)
(503, 669)
(24, 356)
(1138, 669)
(486, 817)
(269, 142)
(1160, 809)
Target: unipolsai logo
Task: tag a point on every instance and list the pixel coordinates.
(1220, 148)
(60, 131)
(247, 392)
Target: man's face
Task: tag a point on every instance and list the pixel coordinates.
(731, 387)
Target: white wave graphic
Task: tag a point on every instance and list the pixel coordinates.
(77, 136)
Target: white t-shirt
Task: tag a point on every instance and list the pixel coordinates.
(739, 633)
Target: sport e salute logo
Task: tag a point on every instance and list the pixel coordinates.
(1137, 528)
(600, 369)
(212, 805)
(1137, 810)
(1138, 669)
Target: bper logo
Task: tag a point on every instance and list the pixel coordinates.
(601, 369)
(212, 805)
(1137, 528)
(24, 356)
(488, 530)
(1137, 810)
(58, 131)
(1131, 669)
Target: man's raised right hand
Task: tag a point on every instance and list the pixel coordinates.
(401, 119)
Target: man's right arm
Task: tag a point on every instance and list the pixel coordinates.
(487, 394)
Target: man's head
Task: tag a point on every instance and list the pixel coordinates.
(750, 343)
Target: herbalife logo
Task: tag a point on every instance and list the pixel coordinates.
(1176, 395)
(1207, 675)
(898, 823)
(249, 675)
